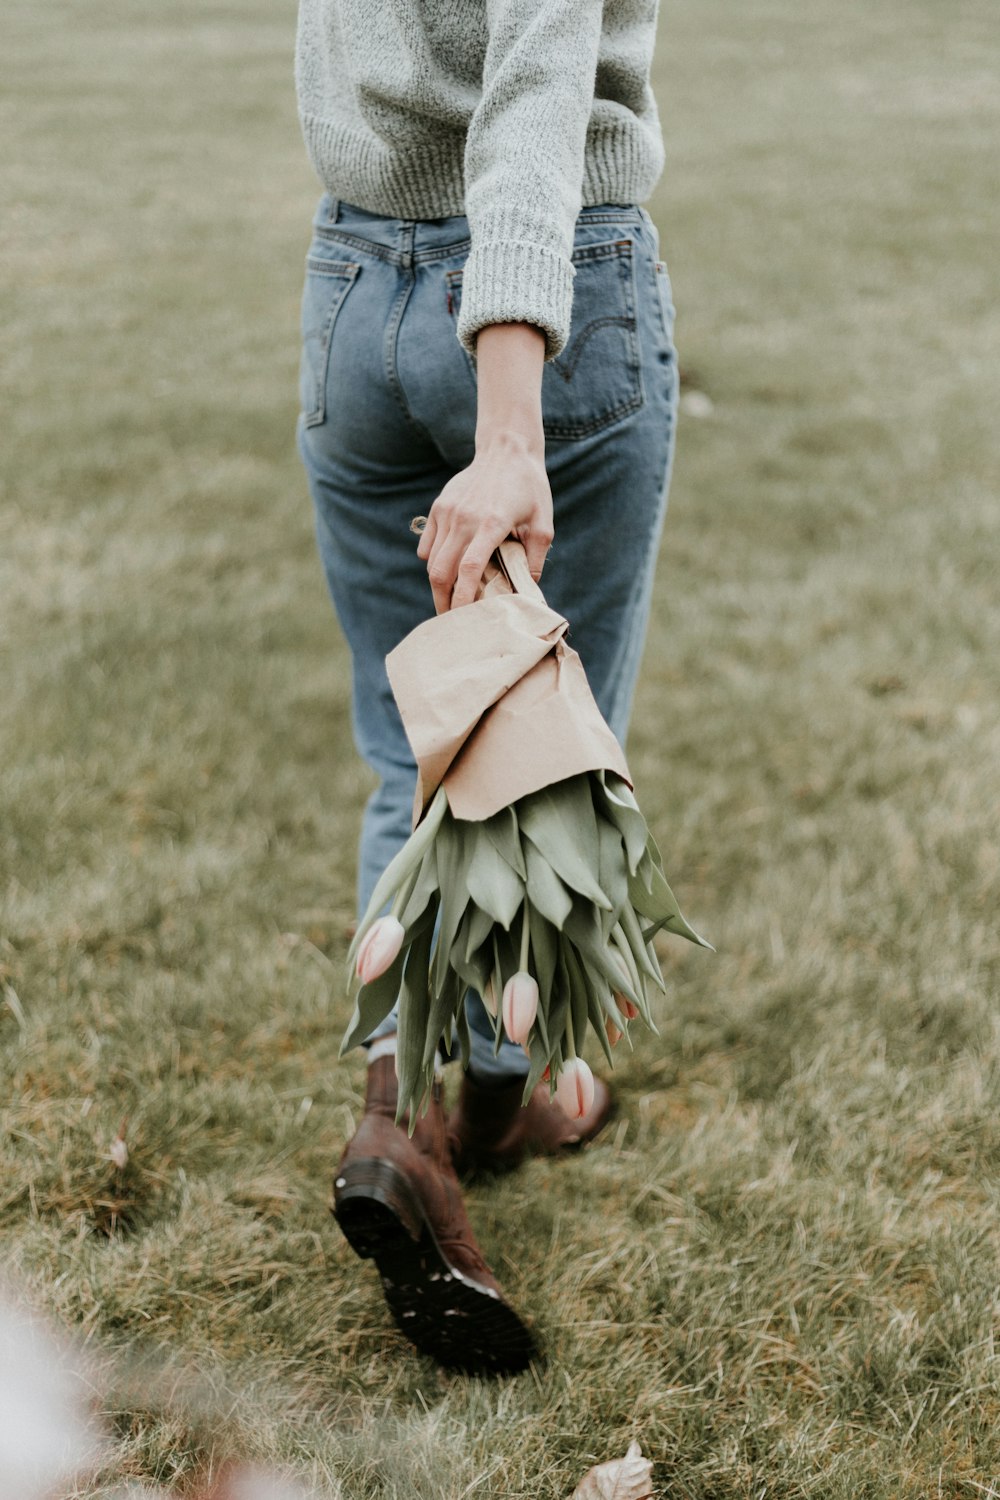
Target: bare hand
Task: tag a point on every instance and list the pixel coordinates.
(504, 492)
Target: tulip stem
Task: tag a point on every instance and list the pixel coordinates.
(524, 940)
(405, 892)
(570, 1038)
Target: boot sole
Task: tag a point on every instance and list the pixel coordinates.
(459, 1323)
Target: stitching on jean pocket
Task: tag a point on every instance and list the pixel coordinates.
(618, 368)
(558, 373)
(317, 335)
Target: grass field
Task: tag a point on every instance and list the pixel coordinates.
(780, 1270)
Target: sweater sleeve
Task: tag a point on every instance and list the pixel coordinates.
(524, 160)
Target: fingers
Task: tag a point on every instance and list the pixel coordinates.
(536, 543)
(456, 564)
(442, 568)
(470, 518)
(473, 565)
(427, 537)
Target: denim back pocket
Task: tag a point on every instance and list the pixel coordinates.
(597, 379)
(327, 284)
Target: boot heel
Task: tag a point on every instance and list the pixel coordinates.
(374, 1205)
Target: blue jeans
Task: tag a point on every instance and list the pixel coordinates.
(388, 398)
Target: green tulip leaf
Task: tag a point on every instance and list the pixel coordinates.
(473, 932)
(492, 884)
(653, 850)
(559, 1003)
(584, 929)
(627, 819)
(539, 1061)
(596, 1012)
(462, 1032)
(546, 891)
(424, 889)
(544, 951)
(568, 849)
(373, 1003)
(579, 1006)
(502, 832)
(414, 1010)
(444, 1002)
(659, 906)
(506, 957)
(451, 865)
(646, 964)
(612, 871)
(403, 866)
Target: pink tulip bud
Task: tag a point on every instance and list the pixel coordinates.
(379, 947)
(520, 1006)
(627, 1008)
(614, 1035)
(575, 1088)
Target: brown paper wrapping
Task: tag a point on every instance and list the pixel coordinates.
(494, 703)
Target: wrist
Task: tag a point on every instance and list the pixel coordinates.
(513, 435)
(509, 358)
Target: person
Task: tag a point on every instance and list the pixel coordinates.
(487, 340)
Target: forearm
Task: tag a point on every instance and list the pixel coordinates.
(505, 490)
(509, 360)
(524, 165)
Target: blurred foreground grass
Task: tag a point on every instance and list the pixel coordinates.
(780, 1269)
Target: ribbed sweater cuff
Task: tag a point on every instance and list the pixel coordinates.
(515, 282)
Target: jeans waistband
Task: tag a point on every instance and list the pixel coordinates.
(418, 238)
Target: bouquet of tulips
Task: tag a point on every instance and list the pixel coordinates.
(542, 892)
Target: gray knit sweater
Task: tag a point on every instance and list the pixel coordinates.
(514, 112)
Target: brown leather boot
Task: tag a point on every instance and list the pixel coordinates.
(489, 1128)
(398, 1202)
